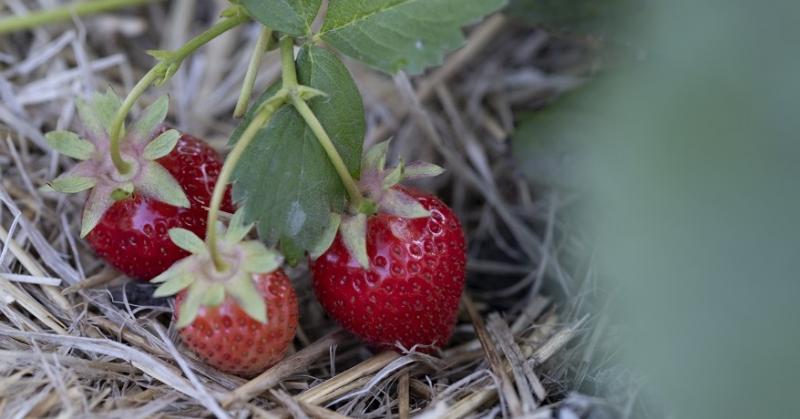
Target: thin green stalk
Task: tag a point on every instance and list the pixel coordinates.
(122, 166)
(252, 72)
(262, 117)
(290, 83)
(289, 73)
(325, 141)
(58, 14)
(164, 69)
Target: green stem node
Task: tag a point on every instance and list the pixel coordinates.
(162, 69)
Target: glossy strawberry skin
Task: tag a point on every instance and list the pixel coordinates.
(132, 235)
(228, 339)
(411, 292)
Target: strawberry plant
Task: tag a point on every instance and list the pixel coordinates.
(388, 261)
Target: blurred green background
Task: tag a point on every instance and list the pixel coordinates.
(691, 158)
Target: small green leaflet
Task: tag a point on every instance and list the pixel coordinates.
(293, 17)
(395, 35)
(284, 179)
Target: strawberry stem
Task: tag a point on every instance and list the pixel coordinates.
(252, 71)
(288, 71)
(164, 70)
(299, 103)
(261, 118)
(64, 13)
(350, 185)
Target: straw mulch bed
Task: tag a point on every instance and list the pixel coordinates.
(77, 339)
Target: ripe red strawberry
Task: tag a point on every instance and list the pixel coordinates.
(132, 234)
(227, 338)
(240, 314)
(395, 276)
(411, 291)
(167, 183)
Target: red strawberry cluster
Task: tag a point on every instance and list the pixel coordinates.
(391, 271)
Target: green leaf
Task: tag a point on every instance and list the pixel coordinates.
(293, 17)
(284, 179)
(547, 144)
(395, 35)
(162, 145)
(597, 17)
(187, 240)
(70, 144)
(292, 253)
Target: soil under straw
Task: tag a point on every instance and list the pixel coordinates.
(77, 339)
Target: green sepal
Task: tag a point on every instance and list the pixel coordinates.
(214, 295)
(157, 183)
(375, 157)
(243, 290)
(178, 268)
(123, 192)
(327, 237)
(191, 305)
(237, 228)
(367, 207)
(98, 113)
(72, 184)
(354, 233)
(421, 169)
(400, 204)
(173, 285)
(394, 176)
(187, 240)
(259, 259)
(162, 145)
(70, 144)
(97, 204)
(151, 118)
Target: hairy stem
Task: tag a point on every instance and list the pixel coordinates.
(325, 141)
(289, 73)
(252, 72)
(290, 83)
(262, 117)
(175, 58)
(66, 12)
(122, 166)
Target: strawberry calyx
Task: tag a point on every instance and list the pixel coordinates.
(208, 287)
(96, 170)
(377, 184)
